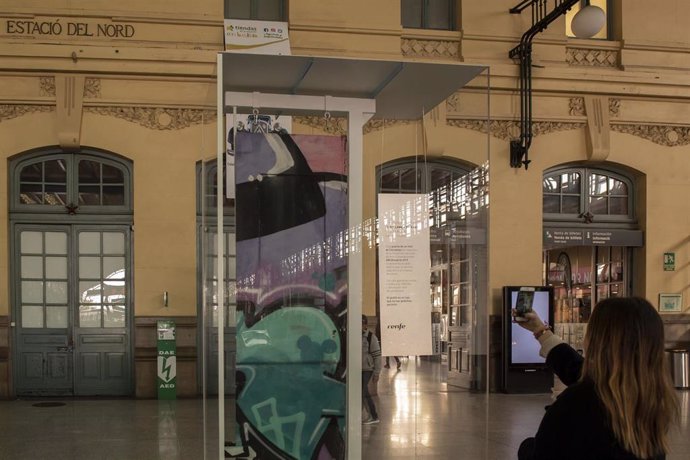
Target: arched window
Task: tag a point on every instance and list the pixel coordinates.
(578, 194)
(86, 182)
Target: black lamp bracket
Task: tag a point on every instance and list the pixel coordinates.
(541, 18)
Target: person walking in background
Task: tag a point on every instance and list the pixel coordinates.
(397, 360)
(620, 402)
(371, 368)
(378, 335)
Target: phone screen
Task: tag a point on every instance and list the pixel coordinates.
(524, 301)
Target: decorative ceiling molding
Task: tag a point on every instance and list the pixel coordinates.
(669, 136)
(508, 130)
(430, 48)
(46, 86)
(338, 125)
(9, 111)
(160, 118)
(577, 107)
(592, 57)
(92, 88)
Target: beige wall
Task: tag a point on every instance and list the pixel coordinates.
(170, 63)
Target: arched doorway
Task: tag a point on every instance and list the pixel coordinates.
(71, 277)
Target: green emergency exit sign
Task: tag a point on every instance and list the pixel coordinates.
(167, 360)
(669, 261)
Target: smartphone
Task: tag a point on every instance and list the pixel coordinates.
(525, 299)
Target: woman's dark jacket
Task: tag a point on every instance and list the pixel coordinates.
(575, 427)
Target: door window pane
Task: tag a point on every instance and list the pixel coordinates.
(411, 13)
(90, 267)
(551, 204)
(31, 194)
(114, 292)
(32, 173)
(438, 15)
(89, 243)
(31, 243)
(89, 172)
(56, 292)
(32, 267)
(410, 180)
(55, 171)
(112, 175)
(390, 181)
(113, 316)
(113, 267)
(268, 10)
(571, 205)
(55, 195)
(113, 195)
(56, 267)
(113, 243)
(89, 316)
(56, 243)
(89, 195)
(32, 316)
(597, 205)
(32, 292)
(90, 292)
(238, 9)
(56, 317)
(618, 205)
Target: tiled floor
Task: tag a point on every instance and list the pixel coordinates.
(420, 418)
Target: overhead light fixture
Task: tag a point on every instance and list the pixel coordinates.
(588, 21)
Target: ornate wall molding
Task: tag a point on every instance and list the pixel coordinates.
(508, 130)
(334, 125)
(338, 126)
(160, 118)
(577, 107)
(591, 57)
(430, 48)
(375, 125)
(92, 88)
(453, 103)
(9, 111)
(669, 136)
(46, 86)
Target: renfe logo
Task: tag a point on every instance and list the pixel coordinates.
(399, 327)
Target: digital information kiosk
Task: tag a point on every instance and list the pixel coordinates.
(524, 371)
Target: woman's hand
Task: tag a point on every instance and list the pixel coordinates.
(529, 321)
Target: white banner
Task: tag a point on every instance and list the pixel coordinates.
(257, 37)
(404, 270)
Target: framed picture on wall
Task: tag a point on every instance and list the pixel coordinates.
(670, 303)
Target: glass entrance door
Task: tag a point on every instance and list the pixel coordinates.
(582, 276)
(71, 304)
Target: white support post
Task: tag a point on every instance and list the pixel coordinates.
(355, 195)
(220, 293)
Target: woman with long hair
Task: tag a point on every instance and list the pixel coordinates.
(620, 402)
